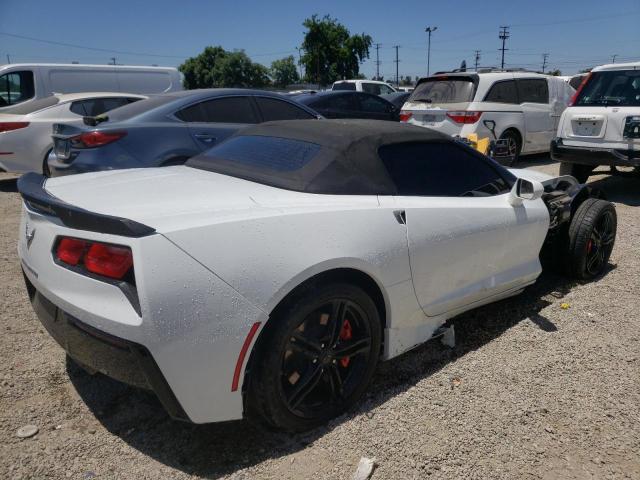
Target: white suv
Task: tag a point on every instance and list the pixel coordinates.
(368, 86)
(602, 124)
(522, 108)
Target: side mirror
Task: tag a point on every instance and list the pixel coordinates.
(525, 190)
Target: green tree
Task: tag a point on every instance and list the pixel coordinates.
(555, 73)
(216, 67)
(331, 52)
(284, 72)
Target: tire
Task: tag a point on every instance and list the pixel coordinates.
(592, 234)
(45, 165)
(300, 377)
(515, 145)
(578, 171)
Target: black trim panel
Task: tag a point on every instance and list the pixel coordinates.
(594, 156)
(120, 359)
(31, 187)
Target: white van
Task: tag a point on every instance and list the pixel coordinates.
(522, 107)
(22, 82)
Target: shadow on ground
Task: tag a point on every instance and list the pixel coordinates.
(214, 450)
(9, 185)
(619, 188)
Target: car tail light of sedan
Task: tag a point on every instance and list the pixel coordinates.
(8, 126)
(464, 117)
(405, 116)
(95, 139)
(107, 260)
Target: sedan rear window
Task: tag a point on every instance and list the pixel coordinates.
(444, 90)
(615, 88)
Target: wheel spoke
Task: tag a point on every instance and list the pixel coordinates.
(352, 348)
(594, 260)
(305, 346)
(335, 380)
(607, 239)
(305, 386)
(335, 322)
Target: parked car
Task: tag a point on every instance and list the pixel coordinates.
(269, 275)
(398, 98)
(369, 86)
(525, 107)
(602, 124)
(28, 82)
(349, 104)
(165, 129)
(25, 129)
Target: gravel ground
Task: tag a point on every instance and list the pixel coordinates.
(531, 390)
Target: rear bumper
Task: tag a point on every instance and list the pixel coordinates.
(593, 156)
(120, 359)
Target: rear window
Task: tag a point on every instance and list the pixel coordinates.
(344, 86)
(97, 106)
(16, 87)
(615, 88)
(444, 90)
(138, 108)
(253, 152)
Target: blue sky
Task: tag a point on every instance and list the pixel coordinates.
(576, 34)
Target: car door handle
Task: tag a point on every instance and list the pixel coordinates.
(205, 137)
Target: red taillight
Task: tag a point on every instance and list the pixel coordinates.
(95, 139)
(580, 87)
(71, 250)
(405, 116)
(8, 126)
(111, 261)
(464, 116)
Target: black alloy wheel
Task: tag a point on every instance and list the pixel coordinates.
(316, 359)
(592, 235)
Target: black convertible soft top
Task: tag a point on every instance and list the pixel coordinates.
(314, 156)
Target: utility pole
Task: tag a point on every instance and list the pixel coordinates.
(613, 58)
(429, 31)
(397, 63)
(8, 58)
(299, 62)
(378, 61)
(545, 56)
(113, 60)
(503, 35)
(477, 59)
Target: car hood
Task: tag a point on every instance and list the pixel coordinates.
(174, 198)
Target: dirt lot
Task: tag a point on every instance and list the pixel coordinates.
(531, 390)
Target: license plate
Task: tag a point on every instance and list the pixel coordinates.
(429, 118)
(61, 149)
(586, 129)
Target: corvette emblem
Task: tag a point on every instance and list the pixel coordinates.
(29, 235)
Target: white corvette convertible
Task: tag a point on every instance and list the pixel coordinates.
(268, 276)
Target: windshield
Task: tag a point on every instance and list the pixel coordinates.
(619, 88)
(444, 90)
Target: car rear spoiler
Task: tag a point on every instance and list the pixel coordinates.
(37, 199)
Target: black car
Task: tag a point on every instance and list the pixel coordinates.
(397, 98)
(349, 104)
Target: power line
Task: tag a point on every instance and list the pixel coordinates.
(503, 35)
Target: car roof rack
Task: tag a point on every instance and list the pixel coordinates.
(486, 70)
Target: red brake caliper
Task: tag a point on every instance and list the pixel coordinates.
(589, 246)
(345, 334)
